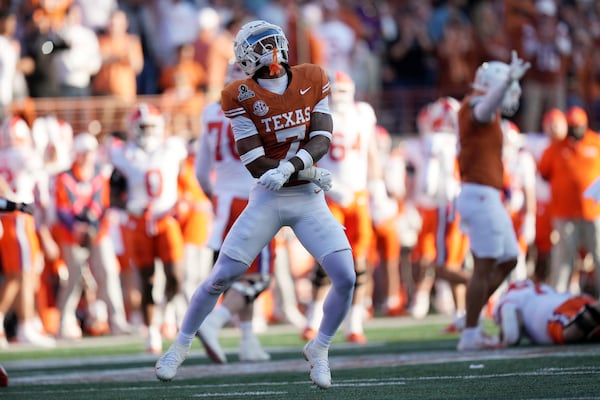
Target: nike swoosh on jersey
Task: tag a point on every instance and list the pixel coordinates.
(303, 91)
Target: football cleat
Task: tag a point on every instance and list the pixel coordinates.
(309, 333)
(251, 350)
(356, 337)
(154, 341)
(166, 366)
(209, 336)
(477, 340)
(317, 357)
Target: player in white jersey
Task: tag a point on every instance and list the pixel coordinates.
(441, 248)
(542, 315)
(520, 199)
(353, 162)
(22, 175)
(227, 183)
(149, 165)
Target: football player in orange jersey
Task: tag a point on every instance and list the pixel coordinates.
(224, 178)
(492, 239)
(281, 125)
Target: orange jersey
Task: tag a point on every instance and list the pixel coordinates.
(480, 154)
(193, 208)
(74, 197)
(570, 167)
(282, 120)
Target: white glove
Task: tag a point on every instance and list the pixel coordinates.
(274, 178)
(517, 67)
(319, 176)
(593, 191)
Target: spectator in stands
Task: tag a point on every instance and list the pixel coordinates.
(408, 59)
(122, 60)
(9, 56)
(547, 45)
(570, 165)
(219, 55)
(456, 58)
(96, 14)
(209, 24)
(143, 21)
(81, 58)
(41, 44)
(490, 38)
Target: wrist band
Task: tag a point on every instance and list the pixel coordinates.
(306, 158)
(252, 155)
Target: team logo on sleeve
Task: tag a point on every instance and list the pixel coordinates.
(260, 108)
(244, 93)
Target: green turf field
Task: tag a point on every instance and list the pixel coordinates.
(404, 359)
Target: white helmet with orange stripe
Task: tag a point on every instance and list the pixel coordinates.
(15, 133)
(146, 126)
(441, 116)
(342, 89)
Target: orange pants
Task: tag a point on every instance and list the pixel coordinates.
(19, 244)
(146, 240)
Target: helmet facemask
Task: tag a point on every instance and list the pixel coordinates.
(260, 44)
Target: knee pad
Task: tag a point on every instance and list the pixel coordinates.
(362, 276)
(224, 274)
(319, 277)
(147, 297)
(251, 288)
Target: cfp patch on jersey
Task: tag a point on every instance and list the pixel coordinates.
(245, 93)
(260, 108)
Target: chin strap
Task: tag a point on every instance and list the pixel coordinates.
(274, 68)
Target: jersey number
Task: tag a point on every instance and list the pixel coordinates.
(223, 131)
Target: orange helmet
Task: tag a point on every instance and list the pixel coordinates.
(15, 133)
(576, 116)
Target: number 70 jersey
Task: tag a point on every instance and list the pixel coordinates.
(217, 153)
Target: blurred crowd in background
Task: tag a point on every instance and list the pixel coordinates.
(400, 54)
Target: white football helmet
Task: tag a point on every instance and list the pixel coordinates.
(146, 126)
(441, 116)
(255, 44)
(492, 73)
(15, 133)
(342, 89)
